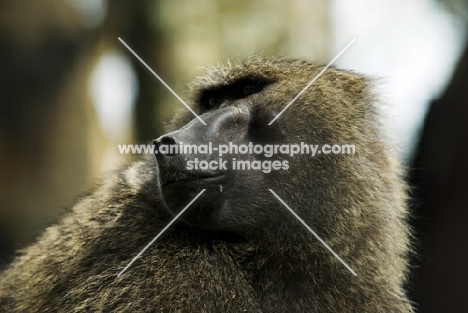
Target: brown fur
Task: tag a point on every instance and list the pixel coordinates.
(356, 203)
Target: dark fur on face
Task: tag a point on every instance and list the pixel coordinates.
(237, 249)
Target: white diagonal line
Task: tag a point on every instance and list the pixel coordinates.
(313, 233)
(162, 81)
(160, 233)
(312, 81)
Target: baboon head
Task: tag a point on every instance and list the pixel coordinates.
(237, 103)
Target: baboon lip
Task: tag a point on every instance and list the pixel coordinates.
(189, 176)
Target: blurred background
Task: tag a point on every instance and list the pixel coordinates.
(70, 92)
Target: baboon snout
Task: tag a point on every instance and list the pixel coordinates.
(224, 125)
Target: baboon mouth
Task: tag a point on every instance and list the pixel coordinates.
(185, 177)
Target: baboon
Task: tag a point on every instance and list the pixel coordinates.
(237, 248)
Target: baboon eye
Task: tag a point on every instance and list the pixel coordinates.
(248, 90)
(213, 102)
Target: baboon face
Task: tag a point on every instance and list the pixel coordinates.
(232, 117)
(237, 103)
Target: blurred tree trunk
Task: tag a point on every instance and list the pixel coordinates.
(133, 21)
(440, 180)
(44, 62)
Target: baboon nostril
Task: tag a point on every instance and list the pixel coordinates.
(165, 145)
(166, 140)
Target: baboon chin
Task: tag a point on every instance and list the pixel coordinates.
(237, 248)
